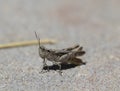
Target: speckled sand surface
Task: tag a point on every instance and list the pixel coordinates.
(94, 24)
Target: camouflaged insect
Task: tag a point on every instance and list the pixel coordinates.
(67, 55)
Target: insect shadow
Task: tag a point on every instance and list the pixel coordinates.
(64, 66)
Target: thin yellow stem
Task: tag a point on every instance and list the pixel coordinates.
(27, 43)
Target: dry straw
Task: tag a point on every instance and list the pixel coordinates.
(26, 43)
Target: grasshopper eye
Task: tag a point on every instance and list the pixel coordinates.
(48, 50)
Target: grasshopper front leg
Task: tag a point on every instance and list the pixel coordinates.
(45, 65)
(44, 62)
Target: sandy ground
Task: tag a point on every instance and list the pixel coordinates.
(94, 24)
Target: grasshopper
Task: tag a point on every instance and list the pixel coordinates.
(57, 57)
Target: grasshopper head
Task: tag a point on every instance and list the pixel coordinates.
(42, 51)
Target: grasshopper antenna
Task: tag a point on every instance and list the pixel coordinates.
(37, 39)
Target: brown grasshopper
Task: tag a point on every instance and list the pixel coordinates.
(67, 55)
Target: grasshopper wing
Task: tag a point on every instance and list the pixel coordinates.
(76, 61)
